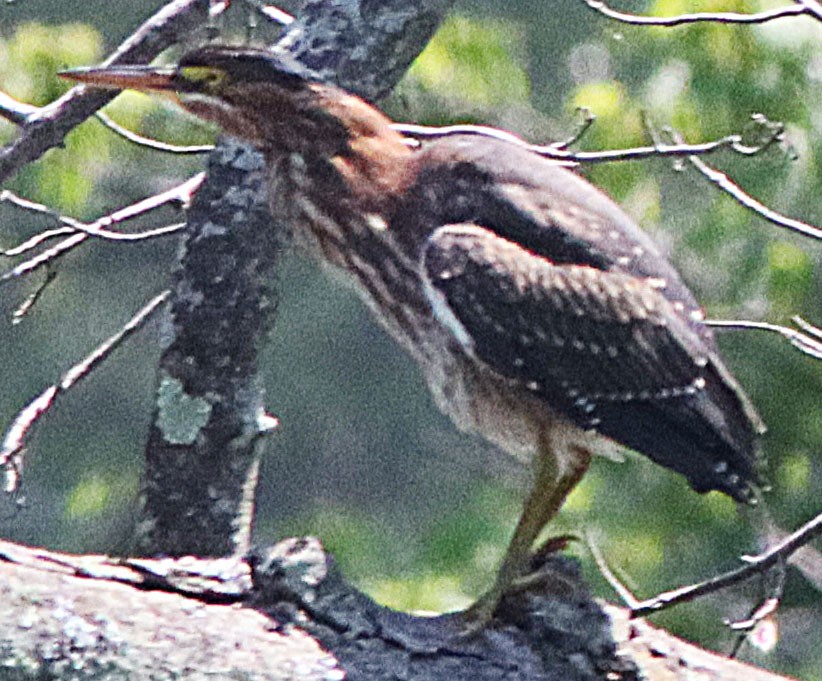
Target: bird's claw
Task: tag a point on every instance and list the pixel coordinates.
(545, 577)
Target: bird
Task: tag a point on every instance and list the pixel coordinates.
(542, 317)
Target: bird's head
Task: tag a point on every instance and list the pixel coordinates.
(252, 95)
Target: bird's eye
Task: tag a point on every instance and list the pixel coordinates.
(202, 77)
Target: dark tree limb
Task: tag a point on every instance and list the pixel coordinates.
(203, 446)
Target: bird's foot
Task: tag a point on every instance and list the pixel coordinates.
(540, 575)
(476, 618)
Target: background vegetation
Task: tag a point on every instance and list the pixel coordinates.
(417, 513)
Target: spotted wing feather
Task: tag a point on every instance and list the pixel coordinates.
(604, 348)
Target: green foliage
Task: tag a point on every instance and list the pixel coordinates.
(791, 276)
(29, 62)
(472, 60)
(470, 66)
(422, 591)
(31, 57)
(91, 497)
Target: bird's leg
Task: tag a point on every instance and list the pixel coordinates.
(551, 487)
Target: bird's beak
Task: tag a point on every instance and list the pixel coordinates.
(124, 77)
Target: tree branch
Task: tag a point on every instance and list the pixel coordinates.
(800, 7)
(288, 614)
(13, 443)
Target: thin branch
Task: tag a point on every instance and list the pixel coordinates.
(588, 119)
(614, 582)
(773, 133)
(416, 132)
(47, 257)
(808, 341)
(271, 12)
(747, 627)
(15, 111)
(127, 134)
(773, 581)
(23, 309)
(727, 185)
(559, 152)
(755, 565)
(79, 231)
(798, 9)
(180, 194)
(744, 199)
(765, 609)
(813, 7)
(11, 453)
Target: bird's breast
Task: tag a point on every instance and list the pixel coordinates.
(354, 239)
(377, 254)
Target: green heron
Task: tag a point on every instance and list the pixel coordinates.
(542, 317)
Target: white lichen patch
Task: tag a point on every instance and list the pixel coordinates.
(180, 417)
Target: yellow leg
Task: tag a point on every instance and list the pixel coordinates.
(546, 497)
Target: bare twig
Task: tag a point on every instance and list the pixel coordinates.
(765, 609)
(801, 7)
(772, 134)
(271, 12)
(755, 565)
(559, 152)
(813, 7)
(744, 199)
(605, 570)
(727, 185)
(78, 231)
(588, 119)
(809, 340)
(30, 301)
(11, 453)
(774, 583)
(127, 134)
(746, 627)
(15, 111)
(44, 258)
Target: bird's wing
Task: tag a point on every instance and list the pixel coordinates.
(605, 348)
(546, 209)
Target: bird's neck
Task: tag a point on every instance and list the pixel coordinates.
(356, 139)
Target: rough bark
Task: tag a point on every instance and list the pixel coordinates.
(288, 614)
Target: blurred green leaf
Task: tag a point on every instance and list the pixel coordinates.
(791, 272)
(474, 61)
(432, 593)
(90, 497)
(32, 56)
